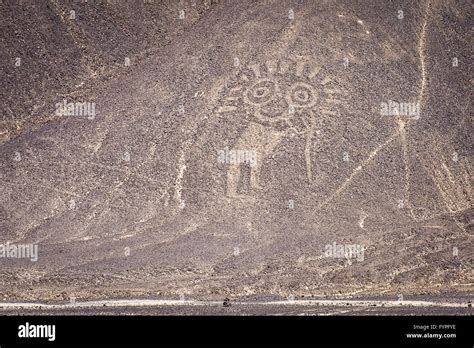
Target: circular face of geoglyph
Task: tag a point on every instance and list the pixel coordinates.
(283, 94)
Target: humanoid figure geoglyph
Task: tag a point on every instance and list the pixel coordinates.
(278, 98)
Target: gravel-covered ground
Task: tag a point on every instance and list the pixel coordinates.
(236, 149)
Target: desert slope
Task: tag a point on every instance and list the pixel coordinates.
(135, 201)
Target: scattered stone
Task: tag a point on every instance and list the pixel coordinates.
(226, 302)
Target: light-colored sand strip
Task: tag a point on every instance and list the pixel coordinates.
(109, 303)
(158, 303)
(365, 303)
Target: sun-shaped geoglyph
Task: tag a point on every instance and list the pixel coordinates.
(279, 98)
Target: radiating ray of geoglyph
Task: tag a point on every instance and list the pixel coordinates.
(452, 178)
(279, 98)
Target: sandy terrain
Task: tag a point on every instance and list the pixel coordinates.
(237, 149)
